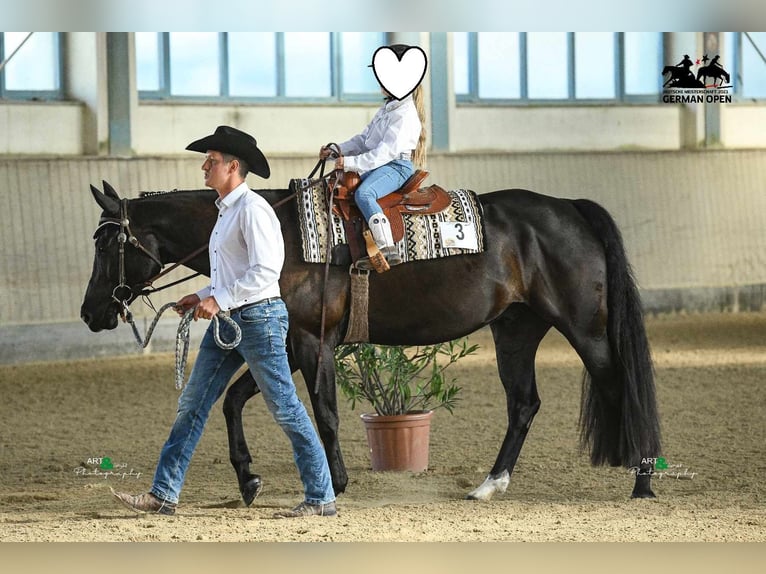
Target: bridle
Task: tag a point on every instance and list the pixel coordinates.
(126, 235)
(123, 293)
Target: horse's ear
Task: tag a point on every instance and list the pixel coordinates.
(107, 203)
(110, 192)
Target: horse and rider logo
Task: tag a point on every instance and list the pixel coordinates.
(680, 77)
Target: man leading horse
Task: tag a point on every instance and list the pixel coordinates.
(246, 258)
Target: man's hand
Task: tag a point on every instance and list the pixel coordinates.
(206, 309)
(324, 152)
(186, 303)
(339, 163)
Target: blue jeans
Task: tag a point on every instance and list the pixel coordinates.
(379, 182)
(264, 331)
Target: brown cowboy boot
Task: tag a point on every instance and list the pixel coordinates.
(304, 509)
(146, 502)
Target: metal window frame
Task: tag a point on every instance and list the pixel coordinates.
(337, 94)
(56, 94)
(736, 71)
(738, 74)
(620, 97)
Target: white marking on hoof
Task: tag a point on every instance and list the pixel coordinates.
(490, 486)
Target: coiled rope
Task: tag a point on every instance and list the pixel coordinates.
(182, 336)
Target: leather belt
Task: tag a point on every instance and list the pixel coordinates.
(243, 307)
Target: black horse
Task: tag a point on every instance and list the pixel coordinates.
(549, 263)
(715, 72)
(680, 77)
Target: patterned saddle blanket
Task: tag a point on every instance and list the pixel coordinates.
(457, 230)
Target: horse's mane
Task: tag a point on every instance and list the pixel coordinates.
(142, 194)
(165, 192)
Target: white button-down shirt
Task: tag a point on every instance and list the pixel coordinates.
(395, 129)
(246, 250)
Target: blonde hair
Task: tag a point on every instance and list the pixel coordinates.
(419, 155)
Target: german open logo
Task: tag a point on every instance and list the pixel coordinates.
(703, 80)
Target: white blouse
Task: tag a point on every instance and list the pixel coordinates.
(394, 130)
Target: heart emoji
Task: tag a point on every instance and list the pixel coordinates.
(399, 76)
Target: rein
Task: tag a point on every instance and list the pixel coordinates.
(149, 282)
(329, 190)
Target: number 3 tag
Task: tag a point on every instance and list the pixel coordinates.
(458, 235)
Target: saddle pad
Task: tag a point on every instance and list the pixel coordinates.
(424, 235)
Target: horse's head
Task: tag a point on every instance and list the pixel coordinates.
(127, 256)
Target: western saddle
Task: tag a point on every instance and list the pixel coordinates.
(410, 199)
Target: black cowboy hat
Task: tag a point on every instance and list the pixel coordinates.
(237, 143)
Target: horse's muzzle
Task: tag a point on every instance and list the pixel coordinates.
(107, 321)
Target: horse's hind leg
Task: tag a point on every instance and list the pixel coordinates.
(242, 390)
(603, 400)
(517, 335)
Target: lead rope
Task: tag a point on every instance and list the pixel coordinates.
(182, 335)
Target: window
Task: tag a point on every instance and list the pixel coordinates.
(497, 51)
(281, 66)
(252, 77)
(519, 67)
(357, 49)
(547, 66)
(745, 60)
(32, 65)
(594, 62)
(642, 62)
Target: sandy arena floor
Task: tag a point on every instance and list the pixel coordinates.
(711, 371)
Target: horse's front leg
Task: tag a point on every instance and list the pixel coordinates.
(324, 402)
(243, 389)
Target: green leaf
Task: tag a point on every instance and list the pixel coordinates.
(397, 379)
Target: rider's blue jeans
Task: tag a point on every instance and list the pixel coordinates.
(379, 182)
(264, 331)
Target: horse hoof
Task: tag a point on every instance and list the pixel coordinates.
(251, 490)
(490, 486)
(643, 494)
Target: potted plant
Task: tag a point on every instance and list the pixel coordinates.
(404, 385)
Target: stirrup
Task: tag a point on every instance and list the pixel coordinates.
(391, 253)
(375, 259)
(368, 264)
(375, 263)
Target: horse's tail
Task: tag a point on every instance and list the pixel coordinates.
(633, 433)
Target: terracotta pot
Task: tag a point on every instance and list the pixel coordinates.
(398, 442)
